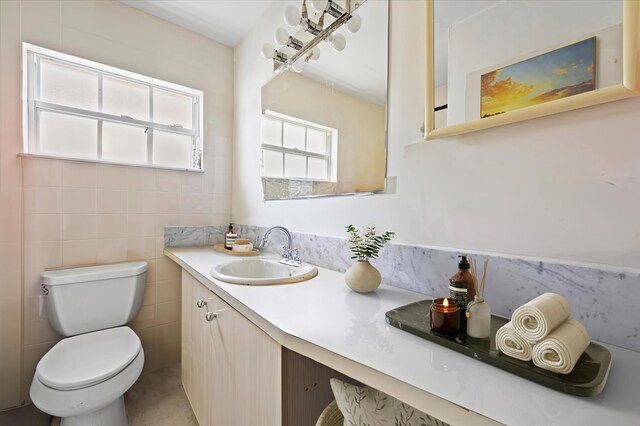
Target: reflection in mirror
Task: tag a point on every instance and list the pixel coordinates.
(493, 57)
(323, 129)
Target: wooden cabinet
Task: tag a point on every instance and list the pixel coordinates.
(231, 370)
(306, 390)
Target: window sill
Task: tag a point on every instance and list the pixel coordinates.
(115, 163)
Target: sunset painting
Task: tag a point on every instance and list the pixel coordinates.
(558, 74)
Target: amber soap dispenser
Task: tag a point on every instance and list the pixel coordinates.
(230, 237)
(461, 287)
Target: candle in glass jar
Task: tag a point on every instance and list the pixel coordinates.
(445, 316)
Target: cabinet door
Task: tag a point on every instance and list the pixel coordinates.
(247, 370)
(201, 345)
(188, 306)
(231, 369)
(196, 348)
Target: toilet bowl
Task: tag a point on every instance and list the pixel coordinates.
(83, 378)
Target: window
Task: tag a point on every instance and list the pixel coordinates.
(75, 108)
(294, 148)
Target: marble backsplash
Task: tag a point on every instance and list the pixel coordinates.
(605, 299)
(191, 236)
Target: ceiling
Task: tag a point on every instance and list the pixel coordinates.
(360, 70)
(229, 21)
(225, 21)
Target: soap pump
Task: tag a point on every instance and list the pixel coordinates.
(230, 237)
(462, 290)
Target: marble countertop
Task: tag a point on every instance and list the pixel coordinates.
(324, 316)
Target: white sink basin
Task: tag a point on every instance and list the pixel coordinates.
(261, 272)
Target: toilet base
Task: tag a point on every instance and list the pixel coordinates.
(111, 415)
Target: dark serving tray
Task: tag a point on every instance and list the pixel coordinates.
(587, 378)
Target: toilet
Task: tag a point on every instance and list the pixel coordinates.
(83, 378)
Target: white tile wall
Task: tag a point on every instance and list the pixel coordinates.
(57, 213)
(113, 214)
(11, 239)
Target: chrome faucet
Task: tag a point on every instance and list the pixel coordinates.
(289, 253)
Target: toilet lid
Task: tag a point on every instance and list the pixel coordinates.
(87, 359)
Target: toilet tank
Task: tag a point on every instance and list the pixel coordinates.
(81, 300)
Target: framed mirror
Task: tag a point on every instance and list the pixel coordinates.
(491, 63)
(324, 117)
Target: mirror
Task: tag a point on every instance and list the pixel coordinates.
(491, 63)
(323, 125)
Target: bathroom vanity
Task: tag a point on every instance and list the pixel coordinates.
(251, 360)
(228, 363)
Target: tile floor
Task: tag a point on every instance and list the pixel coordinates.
(28, 415)
(156, 399)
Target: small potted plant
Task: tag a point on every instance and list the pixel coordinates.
(364, 277)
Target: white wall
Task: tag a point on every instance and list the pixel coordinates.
(566, 186)
(10, 218)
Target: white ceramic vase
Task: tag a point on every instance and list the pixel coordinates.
(363, 277)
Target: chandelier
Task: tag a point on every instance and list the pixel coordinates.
(303, 52)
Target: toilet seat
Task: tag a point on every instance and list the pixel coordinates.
(82, 402)
(88, 359)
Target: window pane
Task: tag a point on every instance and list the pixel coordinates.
(171, 108)
(67, 135)
(170, 149)
(293, 136)
(66, 85)
(122, 143)
(271, 131)
(271, 163)
(123, 97)
(316, 141)
(317, 169)
(295, 166)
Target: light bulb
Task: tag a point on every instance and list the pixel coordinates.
(315, 54)
(268, 51)
(354, 23)
(292, 16)
(281, 37)
(298, 65)
(338, 42)
(319, 5)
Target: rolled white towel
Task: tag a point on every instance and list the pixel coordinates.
(510, 343)
(560, 351)
(537, 318)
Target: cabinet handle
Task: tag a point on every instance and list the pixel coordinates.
(210, 316)
(201, 303)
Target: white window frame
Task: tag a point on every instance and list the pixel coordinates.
(328, 157)
(32, 106)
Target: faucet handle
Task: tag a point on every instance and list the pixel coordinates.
(296, 257)
(286, 253)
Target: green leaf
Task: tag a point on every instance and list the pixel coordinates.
(367, 244)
